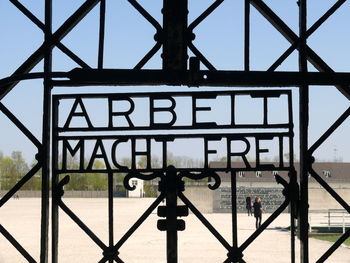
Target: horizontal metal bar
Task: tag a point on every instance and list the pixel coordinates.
(146, 170)
(164, 95)
(197, 126)
(171, 137)
(120, 77)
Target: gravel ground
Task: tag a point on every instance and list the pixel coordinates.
(196, 244)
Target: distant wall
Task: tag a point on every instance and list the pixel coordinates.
(201, 197)
(271, 197)
(208, 201)
(321, 199)
(71, 194)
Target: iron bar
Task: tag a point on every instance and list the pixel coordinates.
(139, 221)
(110, 212)
(61, 32)
(20, 126)
(334, 247)
(330, 131)
(19, 184)
(309, 32)
(28, 14)
(45, 152)
(234, 209)
(148, 56)
(209, 78)
(29, 76)
(146, 15)
(201, 57)
(323, 18)
(70, 54)
(314, 59)
(294, 202)
(164, 136)
(205, 14)
(55, 179)
(264, 225)
(175, 35)
(17, 245)
(101, 34)
(305, 159)
(204, 221)
(117, 170)
(247, 35)
(81, 224)
(330, 190)
(41, 25)
(171, 217)
(283, 57)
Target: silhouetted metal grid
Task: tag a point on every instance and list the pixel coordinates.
(175, 37)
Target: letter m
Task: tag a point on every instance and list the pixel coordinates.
(73, 151)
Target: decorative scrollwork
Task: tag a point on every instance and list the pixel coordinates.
(138, 175)
(59, 192)
(202, 175)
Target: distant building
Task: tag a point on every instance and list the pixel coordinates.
(337, 175)
(139, 191)
(263, 184)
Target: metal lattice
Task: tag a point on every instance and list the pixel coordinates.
(175, 38)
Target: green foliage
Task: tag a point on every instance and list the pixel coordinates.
(150, 190)
(12, 169)
(331, 238)
(87, 182)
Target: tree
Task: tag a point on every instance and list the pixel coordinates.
(12, 169)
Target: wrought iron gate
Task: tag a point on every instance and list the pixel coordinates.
(175, 38)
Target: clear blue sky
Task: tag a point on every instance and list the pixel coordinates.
(129, 36)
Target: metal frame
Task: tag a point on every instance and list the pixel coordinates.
(175, 37)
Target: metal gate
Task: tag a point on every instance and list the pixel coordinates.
(176, 39)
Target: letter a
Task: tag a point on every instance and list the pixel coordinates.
(74, 113)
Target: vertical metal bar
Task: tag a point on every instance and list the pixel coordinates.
(304, 121)
(54, 212)
(175, 35)
(293, 178)
(101, 33)
(110, 212)
(293, 206)
(265, 111)
(171, 218)
(45, 151)
(246, 35)
(234, 209)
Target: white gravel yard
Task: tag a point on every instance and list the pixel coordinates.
(196, 244)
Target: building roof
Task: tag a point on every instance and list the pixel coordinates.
(331, 172)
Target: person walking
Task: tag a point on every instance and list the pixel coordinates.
(257, 212)
(249, 206)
